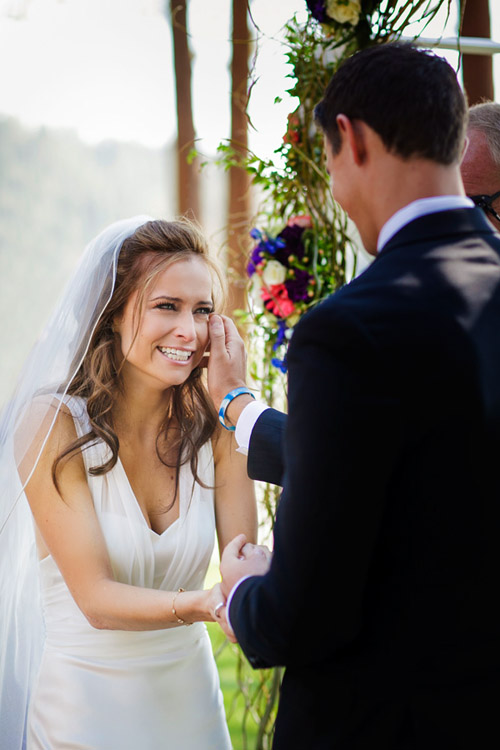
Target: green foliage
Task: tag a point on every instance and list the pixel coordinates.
(249, 697)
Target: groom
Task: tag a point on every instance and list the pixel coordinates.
(382, 595)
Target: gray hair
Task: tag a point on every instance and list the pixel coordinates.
(486, 118)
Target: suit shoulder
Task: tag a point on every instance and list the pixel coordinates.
(334, 324)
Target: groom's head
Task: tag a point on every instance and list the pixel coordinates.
(410, 97)
(394, 119)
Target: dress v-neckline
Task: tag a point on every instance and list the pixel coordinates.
(141, 513)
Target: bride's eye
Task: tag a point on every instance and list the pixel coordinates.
(165, 306)
(204, 310)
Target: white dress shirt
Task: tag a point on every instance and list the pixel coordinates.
(246, 423)
(416, 209)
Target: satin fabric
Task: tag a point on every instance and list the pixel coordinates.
(109, 689)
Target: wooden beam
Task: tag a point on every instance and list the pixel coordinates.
(465, 45)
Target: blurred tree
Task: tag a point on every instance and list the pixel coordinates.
(477, 69)
(239, 204)
(188, 179)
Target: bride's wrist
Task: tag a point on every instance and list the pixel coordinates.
(191, 606)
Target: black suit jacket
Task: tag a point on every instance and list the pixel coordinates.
(382, 596)
(266, 448)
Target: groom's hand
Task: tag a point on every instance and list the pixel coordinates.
(218, 611)
(226, 627)
(226, 365)
(240, 559)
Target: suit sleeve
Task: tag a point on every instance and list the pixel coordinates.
(340, 445)
(265, 451)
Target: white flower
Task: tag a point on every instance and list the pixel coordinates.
(344, 11)
(274, 273)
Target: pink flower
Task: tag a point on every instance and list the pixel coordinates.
(303, 220)
(277, 301)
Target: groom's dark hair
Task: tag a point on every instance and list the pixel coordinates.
(410, 97)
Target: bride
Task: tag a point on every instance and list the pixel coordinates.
(116, 477)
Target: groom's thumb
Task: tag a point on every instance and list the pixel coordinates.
(236, 545)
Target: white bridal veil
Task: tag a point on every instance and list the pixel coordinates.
(50, 367)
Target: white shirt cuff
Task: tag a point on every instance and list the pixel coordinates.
(246, 423)
(230, 598)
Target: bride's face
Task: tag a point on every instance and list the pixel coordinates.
(168, 341)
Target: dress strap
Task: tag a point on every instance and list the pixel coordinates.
(78, 409)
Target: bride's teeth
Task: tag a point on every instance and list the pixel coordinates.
(177, 354)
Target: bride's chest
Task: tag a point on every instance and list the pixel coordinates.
(138, 554)
(155, 488)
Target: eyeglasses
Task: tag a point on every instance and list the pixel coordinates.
(485, 201)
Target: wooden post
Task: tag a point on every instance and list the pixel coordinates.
(477, 69)
(239, 182)
(188, 191)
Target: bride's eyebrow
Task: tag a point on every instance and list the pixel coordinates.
(167, 297)
(207, 303)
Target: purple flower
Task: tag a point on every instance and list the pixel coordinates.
(297, 287)
(273, 245)
(317, 9)
(291, 236)
(281, 335)
(255, 258)
(266, 245)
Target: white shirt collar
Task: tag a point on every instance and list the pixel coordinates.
(418, 208)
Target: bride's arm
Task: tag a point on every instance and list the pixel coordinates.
(68, 525)
(235, 505)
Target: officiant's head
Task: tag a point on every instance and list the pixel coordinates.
(481, 162)
(394, 119)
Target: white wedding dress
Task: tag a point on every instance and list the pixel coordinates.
(124, 690)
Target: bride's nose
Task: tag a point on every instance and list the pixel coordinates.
(185, 327)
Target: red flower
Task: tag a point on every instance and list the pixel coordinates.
(292, 134)
(277, 301)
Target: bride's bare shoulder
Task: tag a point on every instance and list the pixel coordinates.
(45, 428)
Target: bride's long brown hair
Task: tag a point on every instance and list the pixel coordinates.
(190, 418)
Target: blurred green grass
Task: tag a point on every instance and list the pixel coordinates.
(226, 655)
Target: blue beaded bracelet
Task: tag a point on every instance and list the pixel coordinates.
(227, 400)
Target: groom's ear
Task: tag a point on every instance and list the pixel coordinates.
(353, 138)
(464, 148)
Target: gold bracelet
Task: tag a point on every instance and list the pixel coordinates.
(179, 619)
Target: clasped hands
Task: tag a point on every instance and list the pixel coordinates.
(240, 559)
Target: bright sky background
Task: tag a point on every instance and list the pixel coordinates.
(104, 68)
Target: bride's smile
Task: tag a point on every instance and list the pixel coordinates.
(177, 355)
